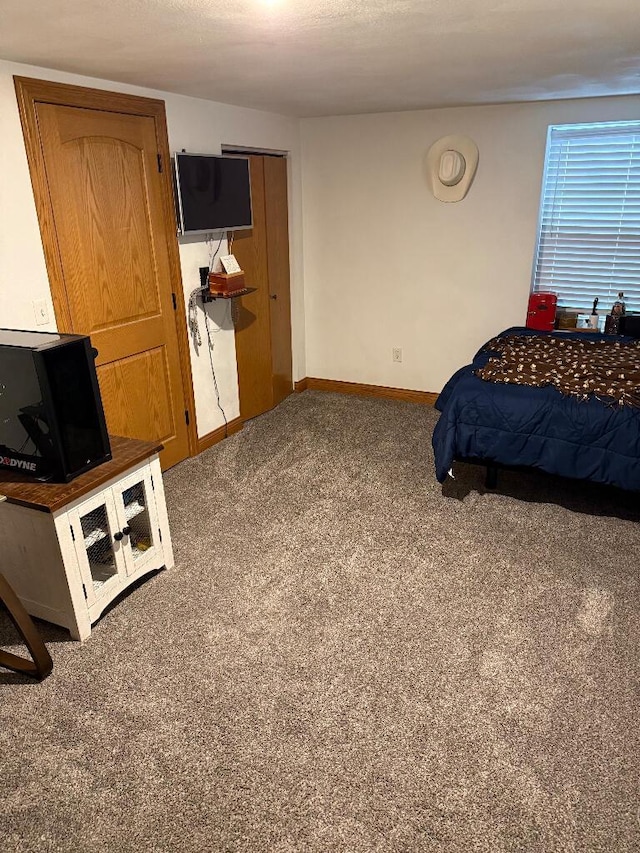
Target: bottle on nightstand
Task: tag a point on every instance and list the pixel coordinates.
(617, 310)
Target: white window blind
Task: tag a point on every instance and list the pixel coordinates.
(589, 231)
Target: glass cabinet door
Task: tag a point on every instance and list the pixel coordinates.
(137, 510)
(95, 531)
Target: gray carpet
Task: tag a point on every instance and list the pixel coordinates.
(347, 657)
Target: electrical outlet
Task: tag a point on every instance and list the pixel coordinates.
(396, 354)
(41, 310)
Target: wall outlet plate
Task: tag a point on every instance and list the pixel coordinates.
(396, 354)
(41, 310)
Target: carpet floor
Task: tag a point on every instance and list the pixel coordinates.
(347, 657)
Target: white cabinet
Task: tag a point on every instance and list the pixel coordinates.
(67, 565)
(117, 536)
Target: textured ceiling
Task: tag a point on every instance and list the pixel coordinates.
(331, 57)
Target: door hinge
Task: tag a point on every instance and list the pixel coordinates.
(73, 535)
(175, 302)
(153, 488)
(159, 162)
(84, 589)
(186, 416)
(160, 534)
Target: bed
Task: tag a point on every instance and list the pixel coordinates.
(588, 436)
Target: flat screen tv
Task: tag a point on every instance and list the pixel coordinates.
(212, 193)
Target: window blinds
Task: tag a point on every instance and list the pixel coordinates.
(589, 232)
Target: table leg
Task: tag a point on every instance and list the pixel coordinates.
(41, 665)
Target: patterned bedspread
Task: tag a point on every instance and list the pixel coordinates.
(606, 369)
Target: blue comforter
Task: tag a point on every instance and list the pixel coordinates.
(535, 427)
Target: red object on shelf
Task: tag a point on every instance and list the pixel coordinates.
(541, 313)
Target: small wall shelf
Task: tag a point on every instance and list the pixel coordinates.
(207, 296)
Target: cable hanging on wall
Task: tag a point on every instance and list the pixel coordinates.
(213, 372)
(194, 326)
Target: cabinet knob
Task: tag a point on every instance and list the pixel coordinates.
(118, 536)
(126, 530)
(273, 296)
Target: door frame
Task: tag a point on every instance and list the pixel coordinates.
(230, 150)
(29, 92)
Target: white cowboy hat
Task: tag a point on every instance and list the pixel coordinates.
(451, 166)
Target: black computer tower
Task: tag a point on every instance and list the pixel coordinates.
(52, 423)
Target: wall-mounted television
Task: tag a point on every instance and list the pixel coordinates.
(212, 193)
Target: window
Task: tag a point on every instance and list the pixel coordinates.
(589, 232)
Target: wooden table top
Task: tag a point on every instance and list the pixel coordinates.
(50, 497)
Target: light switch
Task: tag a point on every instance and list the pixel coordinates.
(41, 310)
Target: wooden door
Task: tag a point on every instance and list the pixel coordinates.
(277, 224)
(263, 319)
(252, 321)
(114, 278)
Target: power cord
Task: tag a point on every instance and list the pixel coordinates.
(213, 372)
(212, 257)
(194, 326)
(192, 317)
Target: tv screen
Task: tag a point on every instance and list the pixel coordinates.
(213, 193)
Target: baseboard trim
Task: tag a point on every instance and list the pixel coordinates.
(426, 398)
(219, 434)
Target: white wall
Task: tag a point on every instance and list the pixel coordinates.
(195, 125)
(386, 265)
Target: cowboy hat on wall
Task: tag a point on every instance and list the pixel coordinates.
(451, 166)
